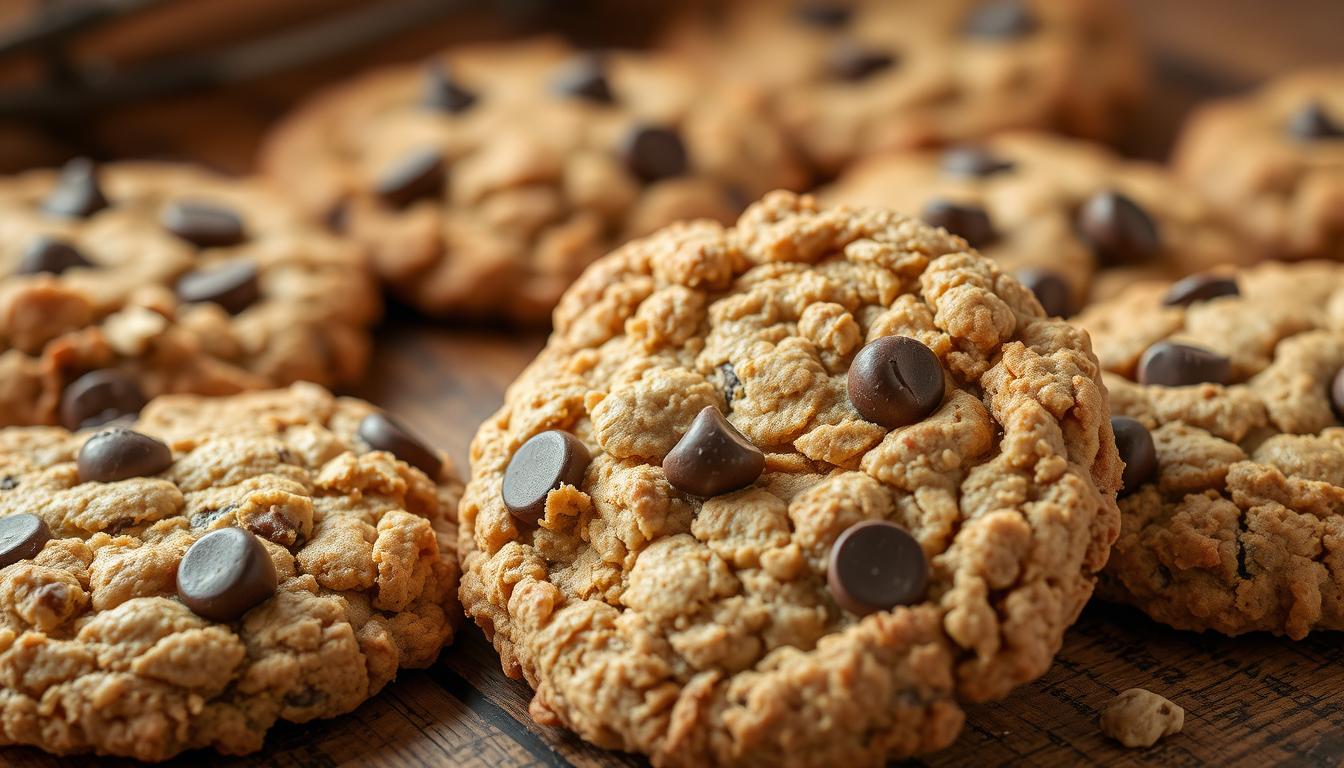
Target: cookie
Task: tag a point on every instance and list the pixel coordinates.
(788, 492)
(485, 180)
(850, 78)
(1070, 219)
(132, 280)
(1274, 159)
(215, 567)
(1225, 388)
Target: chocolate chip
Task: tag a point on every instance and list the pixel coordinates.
(1312, 122)
(1136, 450)
(895, 381)
(1003, 20)
(416, 176)
(1051, 289)
(827, 14)
(1203, 287)
(22, 537)
(52, 255)
(1118, 230)
(233, 286)
(443, 93)
(971, 222)
(731, 384)
(1337, 394)
(8, 483)
(654, 153)
(204, 225)
(874, 566)
(584, 77)
(540, 465)
(973, 162)
(77, 194)
(119, 454)
(712, 458)
(1170, 364)
(99, 397)
(225, 574)
(853, 62)
(383, 433)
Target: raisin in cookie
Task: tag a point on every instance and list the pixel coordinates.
(487, 179)
(853, 77)
(786, 493)
(219, 565)
(1070, 219)
(1228, 402)
(1275, 160)
(128, 281)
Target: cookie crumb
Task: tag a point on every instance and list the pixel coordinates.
(1138, 718)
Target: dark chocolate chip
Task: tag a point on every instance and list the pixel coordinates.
(853, 62)
(1337, 394)
(874, 566)
(1118, 230)
(233, 286)
(971, 222)
(1202, 287)
(204, 225)
(731, 384)
(1136, 450)
(1171, 364)
(99, 397)
(119, 454)
(539, 466)
(52, 255)
(1051, 289)
(77, 194)
(895, 381)
(419, 175)
(442, 92)
(712, 458)
(826, 14)
(383, 433)
(973, 162)
(22, 537)
(584, 77)
(1001, 20)
(654, 153)
(1312, 122)
(225, 574)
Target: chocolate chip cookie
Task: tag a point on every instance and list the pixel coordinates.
(1228, 403)
(853, 77)
(788, 492)
(128, 281)
(485, 180)
(221, 564)
(1070, 219)
(1275, 160)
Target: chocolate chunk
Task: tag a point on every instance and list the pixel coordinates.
(585, 77)
(52, 255)
(973, 162)
(853, 62)
(1051, 289)
(383, 433)
(653, 153)
(1203, 287)
(443, 93)
(225, 574)
(22, 537)
(416, 176)
(1312, 122)
(233, 286)
(970, 222)
(731, 384)
(1171, 364)
(539, 466)
(712, 458)
(895, 381)
(1003, 20)
(1117, 229)
(119, 454)
(1136, 450)
(99, 397)
(204, 225)
(1337, 394)
(874, 566)
(77, 194)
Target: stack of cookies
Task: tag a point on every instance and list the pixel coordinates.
(796, 477)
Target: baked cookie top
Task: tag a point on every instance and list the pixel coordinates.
(486, 179)
(787, 492)
(1275, 159)
(131, 280)
(1236, 474)
(853, 77)
(220, 565)
(1071, 220)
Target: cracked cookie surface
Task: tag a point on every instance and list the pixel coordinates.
(98, 654)
(701, 630)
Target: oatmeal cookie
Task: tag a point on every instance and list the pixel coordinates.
(218, 566)
(487, 179)
(786, 493)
